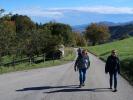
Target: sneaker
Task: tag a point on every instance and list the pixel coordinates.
(110, 88)
(83, 84)
(80, 85)
(115, 90)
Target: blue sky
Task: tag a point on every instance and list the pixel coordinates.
(74, 12)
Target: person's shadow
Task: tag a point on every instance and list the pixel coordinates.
(81, 90)
(47, 87)
(69, 88)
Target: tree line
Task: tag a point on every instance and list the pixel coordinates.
(20, 36)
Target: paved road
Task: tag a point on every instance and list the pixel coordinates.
(61, 83)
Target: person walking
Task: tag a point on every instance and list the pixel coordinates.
(82, 64)
(79, 51)
(113, 68)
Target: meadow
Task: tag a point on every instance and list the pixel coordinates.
(124, 50)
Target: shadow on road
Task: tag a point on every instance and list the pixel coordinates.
(81, 90)
(69, 88)
(47, 87)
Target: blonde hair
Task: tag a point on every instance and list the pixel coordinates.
(113, 51)
(84, 51)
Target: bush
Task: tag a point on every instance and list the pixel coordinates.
(52, 55)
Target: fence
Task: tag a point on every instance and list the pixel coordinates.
(15, 60)
(35, 59)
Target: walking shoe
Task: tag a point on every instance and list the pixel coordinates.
(115, 90)
(110, 88)
(80, 85)
(83, 84)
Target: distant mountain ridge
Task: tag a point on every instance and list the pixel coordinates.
(117, 30)
(121, 31)
(82, 27)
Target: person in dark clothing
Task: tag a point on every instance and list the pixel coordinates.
(113, 67)
(79, 51)
(82, 64)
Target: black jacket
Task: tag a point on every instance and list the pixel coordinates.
(112, 64)
(82, 62)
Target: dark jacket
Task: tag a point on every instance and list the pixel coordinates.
(112, 64)
(82, 62)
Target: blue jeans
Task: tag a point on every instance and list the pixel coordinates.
(113, 75)
(82, 75)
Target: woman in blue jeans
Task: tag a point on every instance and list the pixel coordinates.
(113, 67)
(82, 64)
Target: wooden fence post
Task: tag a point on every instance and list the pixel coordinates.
(30, 60)
(0, 62)
(44, 57)
(13, 63)
(53, 57)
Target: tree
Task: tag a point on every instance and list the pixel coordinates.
(23, 23)
(7, 35)
(25, 27)
(97, 33)
(63, 31)
(20, 36)
(80, 39)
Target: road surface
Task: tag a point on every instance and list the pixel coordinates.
(61, 83)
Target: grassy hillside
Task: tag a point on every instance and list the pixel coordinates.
(125, 53)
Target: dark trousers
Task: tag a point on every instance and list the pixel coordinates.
(113, 77)
(82, 75)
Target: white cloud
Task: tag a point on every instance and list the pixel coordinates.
(38, 12)
(59, 12)
(108, 10)
(98, 9)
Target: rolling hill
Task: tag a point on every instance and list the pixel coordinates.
(121, 31)
(125, 53)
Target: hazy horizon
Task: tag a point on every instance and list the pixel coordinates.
(72, 12)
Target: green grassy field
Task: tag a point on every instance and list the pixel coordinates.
(125, 52)
(69, 56)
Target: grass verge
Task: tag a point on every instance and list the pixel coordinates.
(69, 56)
